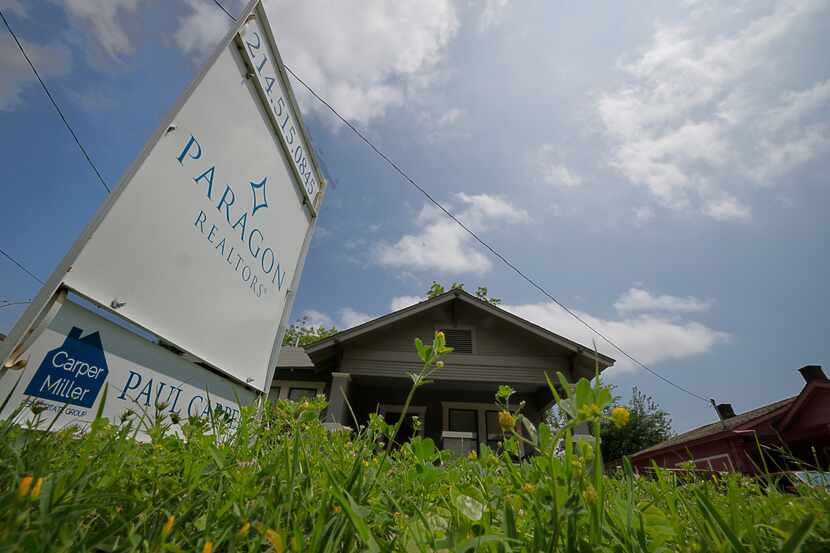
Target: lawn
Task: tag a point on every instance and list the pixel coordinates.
(280, 481)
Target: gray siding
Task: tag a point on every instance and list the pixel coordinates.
(502, 353)
(498, 369)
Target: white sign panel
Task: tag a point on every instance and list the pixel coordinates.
(202, 242)
(79, 353)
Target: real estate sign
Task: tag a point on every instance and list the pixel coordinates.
(82, 361)
(203, 241)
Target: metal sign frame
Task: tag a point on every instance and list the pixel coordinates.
(36, 316)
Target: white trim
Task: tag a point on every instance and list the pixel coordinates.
(285, 387)
(709, 461)
(480, 408)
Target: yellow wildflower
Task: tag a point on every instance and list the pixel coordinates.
(506, 420)
(336, 509)
(245, 529)
(527, 487)
(590, 410)
(168, 526)
(472, 455)
(24, 487)
(275, 539)
(590, 495)
(439, 364)
(440, 336)
(208, 547)
(36, 489)
(620, 416)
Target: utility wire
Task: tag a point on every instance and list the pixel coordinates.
(55, 104)
(21, 267)
(506, 261)
(9, 304)
(478, 239)
(221, 7)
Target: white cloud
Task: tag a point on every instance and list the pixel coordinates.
(347, 318)
(492, 14)
(350, 317)
(442, 245)
(364, 57)
(443, 125)
(638, 299)
(703, 113)
(727, 209)
(316, 318)
(644, 214)
(102, 18)
(648, 337)
(400, 302)
(548, 163)
(51, 61)
(201, 29)
(13, 6)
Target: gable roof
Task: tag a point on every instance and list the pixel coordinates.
(463, 296)
(294, 357)
(718, 427)
(782, 411)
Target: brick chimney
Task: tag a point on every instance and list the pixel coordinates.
(725, 411)
(812, 373)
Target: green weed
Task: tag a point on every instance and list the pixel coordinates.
(282, 482)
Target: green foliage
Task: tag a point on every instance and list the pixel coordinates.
(648, 425)
(436, 289)
(302, 333)
(279, 481)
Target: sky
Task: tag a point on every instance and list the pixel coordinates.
(660, 167)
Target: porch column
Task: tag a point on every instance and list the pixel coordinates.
(338, 412)
(582, 433)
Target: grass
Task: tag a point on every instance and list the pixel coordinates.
(280, 481)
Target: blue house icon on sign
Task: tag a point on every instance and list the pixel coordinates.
(73, 373)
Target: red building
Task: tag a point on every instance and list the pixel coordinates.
(791, 431)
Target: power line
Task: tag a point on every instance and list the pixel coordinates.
(21, 267)
(221, 7)
(11, 303)
(478, 239)
(55, 104)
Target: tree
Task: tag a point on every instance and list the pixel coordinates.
(649, 425)
(302, 333)
(481, 292)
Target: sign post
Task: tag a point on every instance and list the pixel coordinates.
(201, 244)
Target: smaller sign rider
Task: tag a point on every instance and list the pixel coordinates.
(73, 373)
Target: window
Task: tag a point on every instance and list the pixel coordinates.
(460, 339)
(461, 431)
(463, 420)
(295, 390)
(468, 424)
(407, 431)
(299, 394)
(494, 432)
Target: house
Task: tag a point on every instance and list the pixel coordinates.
(366, 369)
(799, 424)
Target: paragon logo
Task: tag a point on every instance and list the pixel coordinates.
(72, 373)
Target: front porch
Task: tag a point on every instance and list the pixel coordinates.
(456, 415)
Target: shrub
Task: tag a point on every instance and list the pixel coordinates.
(282, 482)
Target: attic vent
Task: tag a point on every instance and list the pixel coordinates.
(461, 340)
